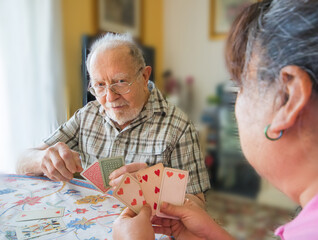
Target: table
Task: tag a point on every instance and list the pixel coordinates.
(89, 214)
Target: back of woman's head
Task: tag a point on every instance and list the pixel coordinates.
(279, 33)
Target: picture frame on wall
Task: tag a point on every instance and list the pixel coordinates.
(222, 15)
(120, 16)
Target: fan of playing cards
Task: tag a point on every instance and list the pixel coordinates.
(98, 172)
(153, 185)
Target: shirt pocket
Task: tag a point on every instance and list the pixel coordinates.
(150, 152)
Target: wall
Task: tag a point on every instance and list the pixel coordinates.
(188, 49)
(78, 18)
(152, 32)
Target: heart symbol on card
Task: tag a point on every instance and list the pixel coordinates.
(140, 181)
(181, 175)
(145, 177)
(23, 215)
(157, 172)
(140, 192)
(134, 202)
(144, 203)
(157, 190)
(120, 191)
(155, 206)
(169, 174)
(127, 181)
(58, 212)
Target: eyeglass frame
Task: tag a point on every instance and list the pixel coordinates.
(91, 89)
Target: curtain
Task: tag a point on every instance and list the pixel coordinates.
(32, 96)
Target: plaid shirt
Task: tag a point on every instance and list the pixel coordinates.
(161, 133)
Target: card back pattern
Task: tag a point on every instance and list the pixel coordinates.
(94, 175)
(108, 165)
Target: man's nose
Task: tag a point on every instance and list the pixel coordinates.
(111, 95)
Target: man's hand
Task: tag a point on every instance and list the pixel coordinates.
(132, 168)
(194, 223)
(199, 199)
(134, 227)
(59, 162)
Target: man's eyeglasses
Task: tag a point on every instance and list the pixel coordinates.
(121, 87)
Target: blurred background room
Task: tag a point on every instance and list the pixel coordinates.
(43, 81)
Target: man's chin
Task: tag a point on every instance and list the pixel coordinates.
(121, 120)
(123, 117)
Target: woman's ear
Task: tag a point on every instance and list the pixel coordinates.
(298, 87)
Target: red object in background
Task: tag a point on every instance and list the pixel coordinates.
(209, 161)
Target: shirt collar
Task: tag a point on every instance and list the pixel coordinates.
(156, 102)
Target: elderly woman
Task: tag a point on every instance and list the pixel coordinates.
(272, 54)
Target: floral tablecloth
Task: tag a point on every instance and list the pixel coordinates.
(88, 215)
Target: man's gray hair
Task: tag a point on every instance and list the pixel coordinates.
(114, 40)
(285, 34)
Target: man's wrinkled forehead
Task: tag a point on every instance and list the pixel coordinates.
(118, 58)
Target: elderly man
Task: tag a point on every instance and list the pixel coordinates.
(130, 118)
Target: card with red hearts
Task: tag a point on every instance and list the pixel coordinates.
(173, 188)
(150, 181)
(39, 214)
(129, 193)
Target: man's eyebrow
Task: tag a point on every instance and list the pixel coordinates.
(119, 76)
(116, 77)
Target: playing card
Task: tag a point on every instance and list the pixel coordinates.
(94, 175)
(39, 214)
(150, 181)
(108, 165)
(173, 188)
(40, 228)
(130, 193)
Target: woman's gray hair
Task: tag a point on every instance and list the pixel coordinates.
(285, 33)
(114, 40)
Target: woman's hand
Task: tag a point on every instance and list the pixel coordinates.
(194, 223)
(134, 227)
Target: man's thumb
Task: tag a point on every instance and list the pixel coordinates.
(78, 163)
(171, 209)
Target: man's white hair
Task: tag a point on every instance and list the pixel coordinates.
(114, 40)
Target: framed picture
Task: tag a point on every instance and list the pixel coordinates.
(222, 15)
(120, 16)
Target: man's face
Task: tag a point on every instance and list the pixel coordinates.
(113, 66)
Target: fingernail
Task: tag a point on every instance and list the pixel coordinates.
(110, 183)
(110, 176)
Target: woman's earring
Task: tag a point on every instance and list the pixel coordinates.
(268, 137)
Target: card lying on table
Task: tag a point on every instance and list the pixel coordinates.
(94, 175)
(150, 181)
(108, 165)
(173, 188)
(129, 193)
(40, 228)
(39, 214)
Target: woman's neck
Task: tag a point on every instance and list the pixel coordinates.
(309, 193)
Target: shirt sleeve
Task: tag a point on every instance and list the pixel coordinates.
(187, 156)
(67, 133)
